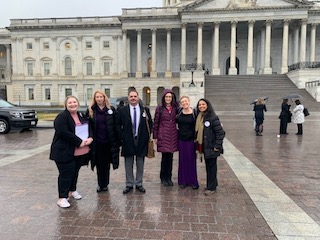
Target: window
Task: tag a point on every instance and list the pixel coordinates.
(47, 94)
(29, 46)
(30, 68)
(46, 67)
(106, 44)
(88, 44)
(107, 91)
(2, 75)
(89, 68)
(89, 94)
(46, 46)
(68, 92)
(106, 68)
(30, 93)
(67, 66)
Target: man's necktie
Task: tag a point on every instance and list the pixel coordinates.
(135, 121)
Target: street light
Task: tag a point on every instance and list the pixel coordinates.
(192, 84)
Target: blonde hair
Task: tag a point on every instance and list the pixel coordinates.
(93, 102)
(184, 97)
(67, 98)
(260, 101)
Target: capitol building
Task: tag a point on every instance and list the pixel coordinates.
(44, 60)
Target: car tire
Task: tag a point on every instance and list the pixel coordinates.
(4, 126)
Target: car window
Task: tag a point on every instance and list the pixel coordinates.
(5, 104)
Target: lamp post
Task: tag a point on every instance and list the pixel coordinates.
(192, 84)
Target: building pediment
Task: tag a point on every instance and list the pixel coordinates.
(207, 5)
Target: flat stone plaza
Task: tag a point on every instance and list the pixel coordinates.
(269, 188)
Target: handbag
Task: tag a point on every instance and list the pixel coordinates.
(150, 150)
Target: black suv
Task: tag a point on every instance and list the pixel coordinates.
(13, 117)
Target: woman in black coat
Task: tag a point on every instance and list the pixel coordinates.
(209, 139)
(259, 109)
(105, 147)
(285, 116)
(69, 149)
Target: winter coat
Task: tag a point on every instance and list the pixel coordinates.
(298, 115)
(124, 124)
(65, 141)
(165, 127)
(113, 138)
(213, 135)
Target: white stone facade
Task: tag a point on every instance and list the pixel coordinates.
(44, 60)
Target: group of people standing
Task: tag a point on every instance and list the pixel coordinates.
(99, 134)
(285, 116)
(199, 131)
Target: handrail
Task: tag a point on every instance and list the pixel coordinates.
(303, 65)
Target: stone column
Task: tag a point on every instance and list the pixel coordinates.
(285, 41)
(183, 44)
(168, 71)
(215, 52)
(250, 69)
(8, 69)
(199, 53)
(37, 63)
(139, 71)
(262, 49)
(313, 42)
(55, 58)
(115, 64)
(233, 69)
(267, 68)
(296, 45)
(79, 68)
(124, 50)
(303, 40)
(153, 73)
(96, 69)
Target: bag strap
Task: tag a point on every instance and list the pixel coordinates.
(147, 122)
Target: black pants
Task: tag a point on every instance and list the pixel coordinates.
(211, 169)
(300, 129)
(68, 176)
(283, 124)
(103, 161)
(166, 166)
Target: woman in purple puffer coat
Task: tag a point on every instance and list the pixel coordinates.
(165, 134)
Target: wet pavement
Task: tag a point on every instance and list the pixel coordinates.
(269, 188)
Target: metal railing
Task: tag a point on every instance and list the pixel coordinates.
(192, 66)
(303, 65)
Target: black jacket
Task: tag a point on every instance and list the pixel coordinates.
(213, 135)
(125, 127)
(65, 141)
(112, 135)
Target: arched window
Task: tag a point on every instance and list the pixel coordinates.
(67, 66)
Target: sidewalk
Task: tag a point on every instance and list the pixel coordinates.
(269, 188)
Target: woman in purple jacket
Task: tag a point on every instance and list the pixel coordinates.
(166, 134)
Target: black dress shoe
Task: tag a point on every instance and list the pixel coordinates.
(99, 189)
(127, 190)
(195, 187)
(164, 183)
(170, 183)
(140, 189)
(183, 186)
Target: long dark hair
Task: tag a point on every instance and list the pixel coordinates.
(210, 111)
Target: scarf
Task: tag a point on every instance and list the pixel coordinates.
(199, 128)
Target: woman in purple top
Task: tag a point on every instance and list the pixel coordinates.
(105, 147)
(187, 173)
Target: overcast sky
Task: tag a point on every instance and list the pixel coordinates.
(11, 9)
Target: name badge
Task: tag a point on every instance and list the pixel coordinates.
(110, 111)
(207, 123)
(144, 114)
